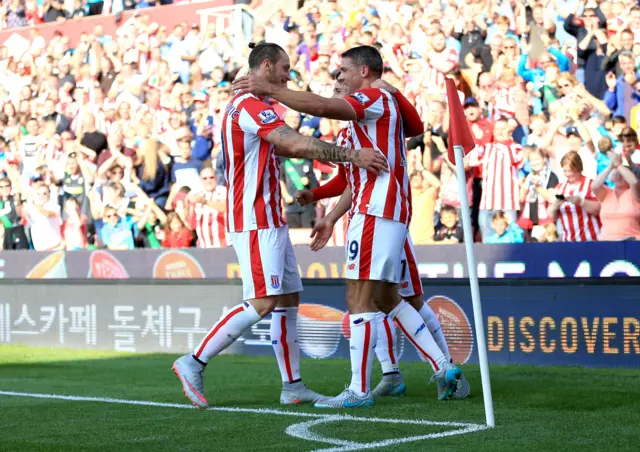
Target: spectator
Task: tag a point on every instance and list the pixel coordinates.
(630, 150)
(591, 38)
(210, 211)
(16, 14)
(576, 205)
(621, 95)
(620, 206)
(117, 232)
(75, 183)
(185, 170)
(153, 176)
(54, 10)
(500, 161)
(61, 121)
(449, 230)
(92, 138)
(537, 190)
(44, 220)
(74, 227)
(201, 125)
(424, 194)
(611, 61)
(176, 233)
(506, 231)
(150, 225)
(11, 216)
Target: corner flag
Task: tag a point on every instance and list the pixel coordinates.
(461, 143)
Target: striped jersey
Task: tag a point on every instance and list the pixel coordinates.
(211, 224)
(577, 224)
(379, 126)
(434, 80)
(339, 236)
(251, 166)
(500, 163)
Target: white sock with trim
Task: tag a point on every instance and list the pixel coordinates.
(226, 330)
(284, 339)
(416, 331)
(386, 344)
(432, 322)
(362, 344)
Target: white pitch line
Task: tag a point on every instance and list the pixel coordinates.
(303, 431)
(409, 439)
(299, 430)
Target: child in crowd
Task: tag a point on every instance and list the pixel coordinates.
(506, 230)
(176, 233)
(449, 230)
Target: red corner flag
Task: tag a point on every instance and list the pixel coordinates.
(459, 132)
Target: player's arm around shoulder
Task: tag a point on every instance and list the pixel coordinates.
(366, 103)
(290, 143)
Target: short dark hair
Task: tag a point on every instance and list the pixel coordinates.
(447, 208)
(499, 215)
(264, 51)
(366, 56)
(618, 120)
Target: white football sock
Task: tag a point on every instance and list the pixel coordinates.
(225, 332)
(284, 338)
(362, 343)
(386, 344)
(414, 328)
(435, 329)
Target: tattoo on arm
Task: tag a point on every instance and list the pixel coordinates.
(291, 143)
(329, 151)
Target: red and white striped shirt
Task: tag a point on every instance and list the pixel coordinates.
(577, 224)
(251, 166)
(339, 236)
(379, 126)
(504, 105)
(211, 224)
(500, 163)
(434, 79)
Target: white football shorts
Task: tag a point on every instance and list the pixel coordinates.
(267, 262)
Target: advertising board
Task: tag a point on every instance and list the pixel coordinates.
(594, 323)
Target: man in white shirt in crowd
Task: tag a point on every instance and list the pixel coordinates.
(44, 221)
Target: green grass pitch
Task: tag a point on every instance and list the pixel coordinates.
(537, 408)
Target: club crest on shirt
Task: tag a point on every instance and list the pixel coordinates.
(360, 97)
(275, 282)
(267, 116)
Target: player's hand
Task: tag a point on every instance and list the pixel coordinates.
(321, 233)
(288, 199)
(304, 197)
(371, 160)
(381, 84)
(250, 84)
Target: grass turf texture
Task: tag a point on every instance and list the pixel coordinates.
(537, 408)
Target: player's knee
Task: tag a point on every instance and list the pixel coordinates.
(264, 306)
(386, 296)
(415, 301)
(290, 300)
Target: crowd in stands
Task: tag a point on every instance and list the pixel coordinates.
(21, 13)
(113, 141)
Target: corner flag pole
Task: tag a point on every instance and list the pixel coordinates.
(460, 138)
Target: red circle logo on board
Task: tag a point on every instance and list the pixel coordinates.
(455, 326)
